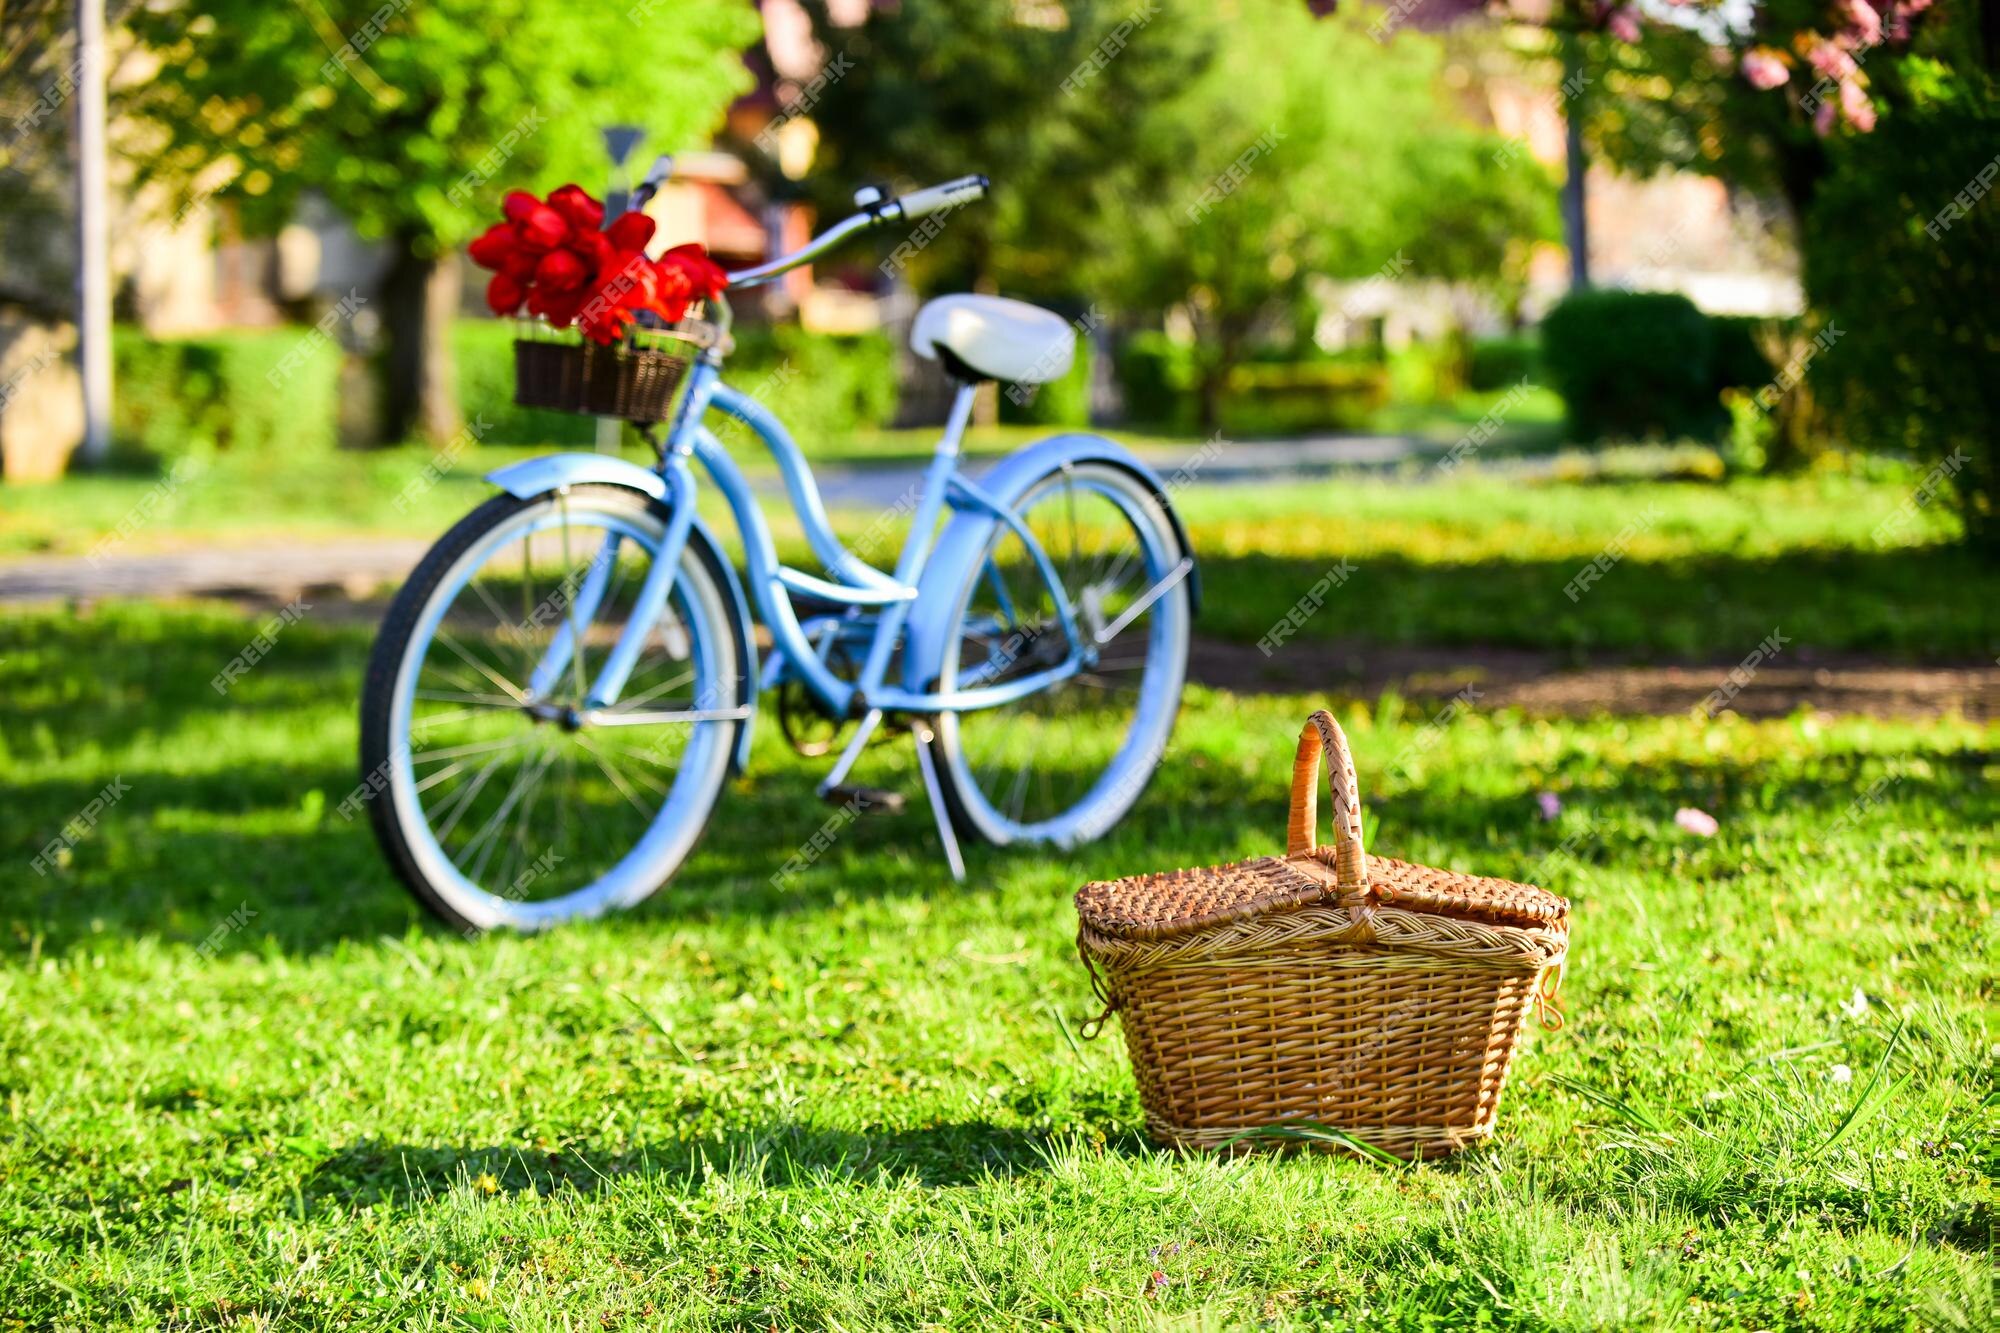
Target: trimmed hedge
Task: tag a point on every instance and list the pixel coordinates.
(1063, 402)
(244, 391)
(1157, 377)
(1634, 365)
(1302, 396)
(1739, 363)
(819, 385)
(1648, 364)
(1501, 363)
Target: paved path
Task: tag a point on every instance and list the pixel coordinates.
(1231, 463)
(359, 564)
(354, 566)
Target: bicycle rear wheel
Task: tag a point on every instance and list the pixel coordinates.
(1063, 765)
(503, 801)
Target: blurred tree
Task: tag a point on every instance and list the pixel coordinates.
(1290, 174)
(1761, 103)
(1183, 156)
(1902, 250)
(413, 120)
(1058, 103)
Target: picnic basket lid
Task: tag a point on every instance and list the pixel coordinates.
(1180, 902)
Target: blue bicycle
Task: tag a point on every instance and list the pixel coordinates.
(564, 685)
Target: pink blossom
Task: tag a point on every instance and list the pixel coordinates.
(1823, 118)
(1765, 68)
(1623, 23)
(1863, 22)
(1857, 106)
(1697, 822)
(1549, 803)
(1831, 61)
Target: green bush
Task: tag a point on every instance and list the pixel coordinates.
(1156, 376)
(1902, 254)
(1063, 402)
(1633, 365)
(1263, 397)
(243, 391)
(1739, 363)
(819, 385)
(1302, 397)
(484, 352)
(1502, 363)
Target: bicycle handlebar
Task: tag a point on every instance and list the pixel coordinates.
(656, 176)
(938, 198)
(907, 208)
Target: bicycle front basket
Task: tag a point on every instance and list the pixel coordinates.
(631, 381)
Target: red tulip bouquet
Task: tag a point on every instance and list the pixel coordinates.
(557, 260)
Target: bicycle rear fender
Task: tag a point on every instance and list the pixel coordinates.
(964, 540)
(530, 478)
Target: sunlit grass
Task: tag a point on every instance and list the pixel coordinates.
(246, 1084)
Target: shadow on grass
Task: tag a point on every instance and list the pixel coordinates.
(1928, 604)
(204, 834)
(780, 1155)
(311, 879)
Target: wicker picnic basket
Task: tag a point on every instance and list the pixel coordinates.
(1324, 990)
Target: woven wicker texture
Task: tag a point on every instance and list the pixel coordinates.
(628, 383)
(1369, 995)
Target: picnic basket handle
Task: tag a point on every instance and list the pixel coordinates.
(1350, 862)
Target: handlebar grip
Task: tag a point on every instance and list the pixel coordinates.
(656, 176)
(937, 198)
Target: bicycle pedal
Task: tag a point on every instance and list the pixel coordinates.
(866, 800)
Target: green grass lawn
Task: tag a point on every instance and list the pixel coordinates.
(1707, 570)
(246, 1085)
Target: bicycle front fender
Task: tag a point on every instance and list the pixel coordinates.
(965, 538)
(535, 476)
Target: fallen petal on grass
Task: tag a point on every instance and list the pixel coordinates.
(1698, 822)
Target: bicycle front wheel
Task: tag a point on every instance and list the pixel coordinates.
(500, 789)
(1062, 765)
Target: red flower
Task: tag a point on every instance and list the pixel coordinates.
(630, 231)
(520, 261)
(577, 208)
(675, 291)
(552, 258)
(705, 277)
(559, 311)
(518, 204)
(594, 248)
(504, 294)
(544, 227)
(492, 246)
(561, 272)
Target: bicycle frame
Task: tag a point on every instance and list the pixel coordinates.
(858, 585)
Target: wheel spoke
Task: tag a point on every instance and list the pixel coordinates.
(1040, 759)
(624, 788)
(471, 747)
(631, 703)
(454, 697)
(466, 796)
(506, 686)
(508, 794)
(492, 825)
